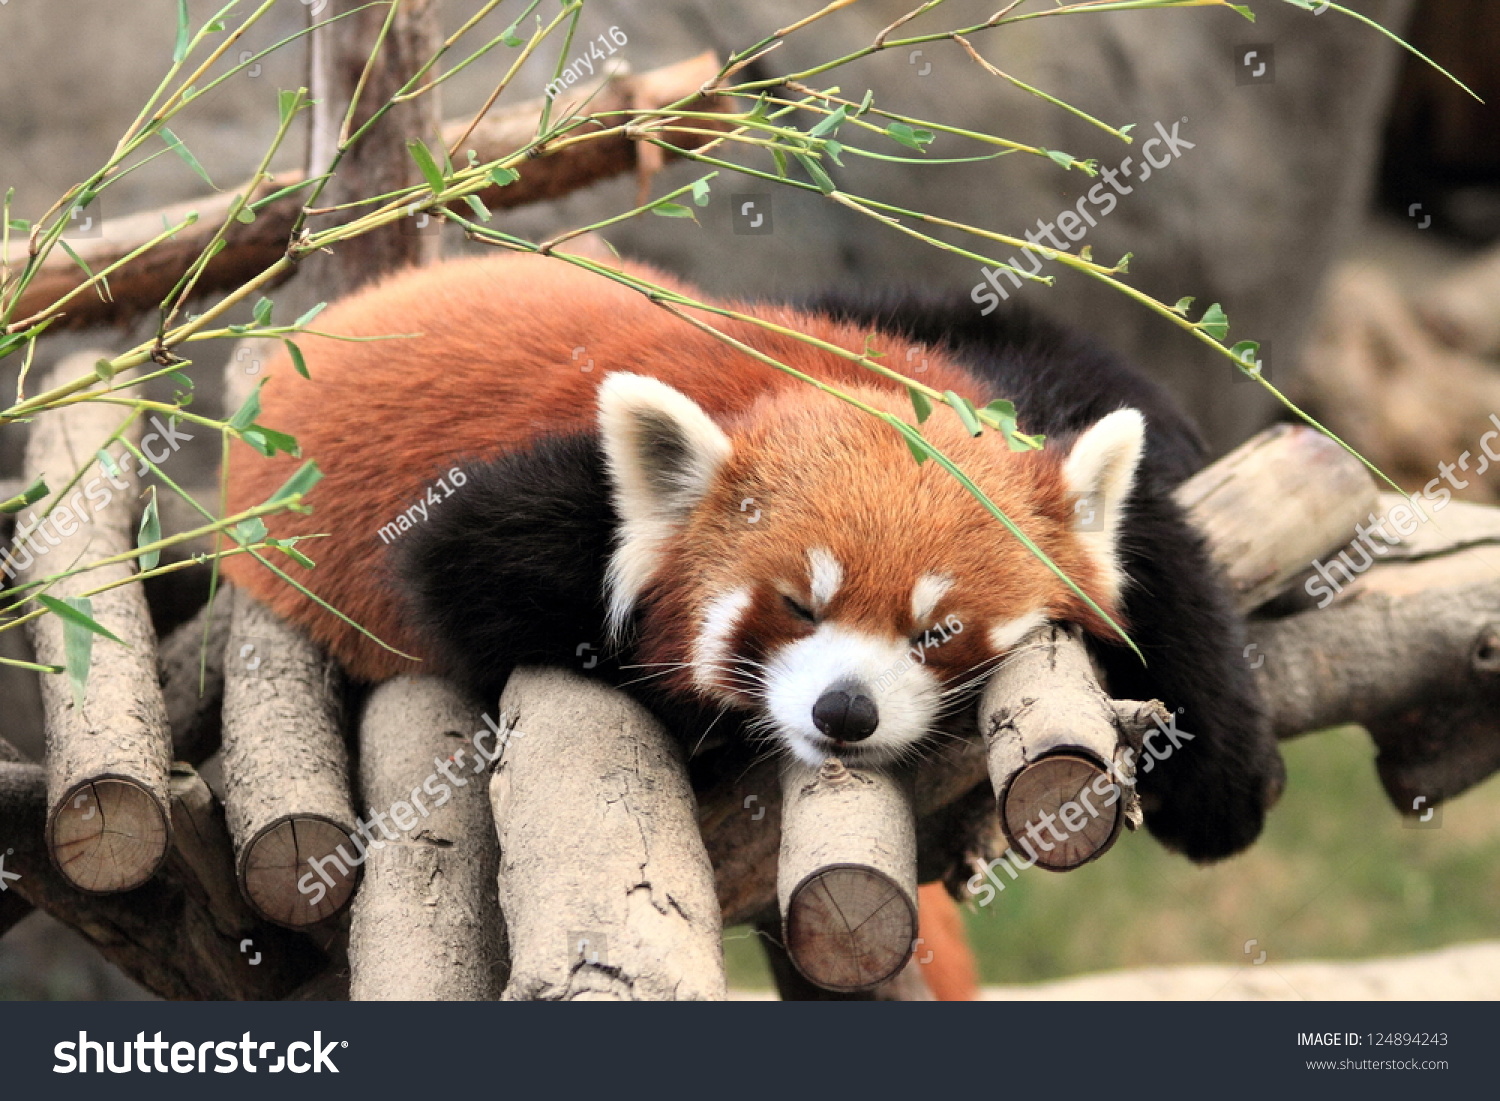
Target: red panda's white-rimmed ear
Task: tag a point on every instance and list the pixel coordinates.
(1100, 472)
(662, 452)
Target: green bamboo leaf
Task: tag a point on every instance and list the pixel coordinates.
(77, 611)
(673, 210)
(1182, 305)
(150, 532)
(286, 548)
(829, 123)
(909, 136)
(180, 48)
(1058, 156)
(299, 364)
(426, 164)
(75, 257)
(779, 156)
(922, 406)
(262, 311)
(700, 192)
(302, 322)
(965, 410)
(28, 496)
(1215, 322)
(268, 441)
(289, 102)
(307, 476)
(252, 530)
(917, 448)
(1396, 38)
(481, 211)
(246, 215)
(246, 414)
(810, 164)
(174, 143)
(502, 176)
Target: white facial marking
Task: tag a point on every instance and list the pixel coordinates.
(906, 695)
(712, 654)
(826, 576)
(1009, 632)
(929, 589)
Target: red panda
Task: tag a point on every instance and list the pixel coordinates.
(587, 480)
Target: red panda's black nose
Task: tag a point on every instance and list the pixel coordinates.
(845, 714)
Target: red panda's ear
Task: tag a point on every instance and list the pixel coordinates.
(1100, 472)
(662, 452)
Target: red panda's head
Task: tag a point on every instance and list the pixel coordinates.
(796, 560)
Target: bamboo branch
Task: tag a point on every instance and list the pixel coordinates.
(253, 247)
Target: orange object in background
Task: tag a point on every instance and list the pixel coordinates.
(943, 951)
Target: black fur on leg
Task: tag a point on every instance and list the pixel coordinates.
(511, 570)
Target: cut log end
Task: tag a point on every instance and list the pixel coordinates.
(850, 927)
(1052, 810)
(108, 834)
(300, 870)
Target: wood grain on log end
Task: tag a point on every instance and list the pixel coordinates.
(1060, 784)
(850, 927)
(300, 870)
(108, 834)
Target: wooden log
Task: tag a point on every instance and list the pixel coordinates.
(13, 905)
(253, 247)
(1062, 751)
(286, 774)
(847, 874)
(604, 882)
(190, 669)
(107, 754)
(1275, 503)
(379, 162)
(185, 934)
(740, 820)
(426, 924)
(1419, 669)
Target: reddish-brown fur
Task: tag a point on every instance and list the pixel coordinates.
(943, 950)
(490, 363)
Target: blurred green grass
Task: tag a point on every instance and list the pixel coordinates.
(1336, 875)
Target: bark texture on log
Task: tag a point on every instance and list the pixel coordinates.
(1060, 746)
(1420, 671)
(426, 924)
(1271, 506)
(847, 874)
(190, 669)
(604, 882)
(108, 755)
(286, 774)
